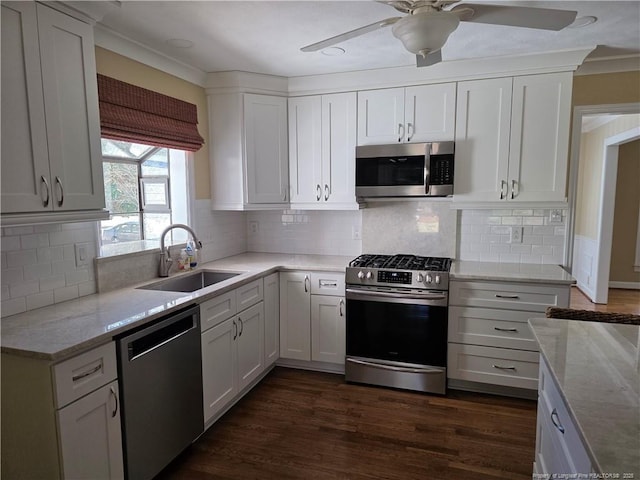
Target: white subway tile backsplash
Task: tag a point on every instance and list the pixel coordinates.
(541, 242)
(34, 265)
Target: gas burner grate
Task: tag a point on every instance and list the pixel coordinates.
(402, 262)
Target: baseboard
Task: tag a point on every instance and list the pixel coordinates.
(308, 365)
(625, 285)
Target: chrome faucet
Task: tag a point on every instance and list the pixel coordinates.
(165, 256)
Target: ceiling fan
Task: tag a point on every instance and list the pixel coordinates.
(427, 25)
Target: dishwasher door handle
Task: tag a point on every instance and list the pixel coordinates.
(168, 330)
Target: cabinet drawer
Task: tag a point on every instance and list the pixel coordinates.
(557, 415)
(513, 296)
(497, 366)
(327, 283)
(249, 294)
(84, 373)
(492, 328)
(217, 310)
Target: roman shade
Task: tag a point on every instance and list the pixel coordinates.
(135, 114)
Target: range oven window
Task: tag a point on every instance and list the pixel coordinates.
(385, 171)
(397, 332)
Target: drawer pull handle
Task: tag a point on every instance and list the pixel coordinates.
(324, 283)
(499, 329)
(556, 421)
(80, 376)
(340, 307)
(510, 297)
(499, 367)
(306, 284)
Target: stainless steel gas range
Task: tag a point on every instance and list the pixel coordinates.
(396, 321)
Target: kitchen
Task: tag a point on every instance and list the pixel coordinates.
(346, 233)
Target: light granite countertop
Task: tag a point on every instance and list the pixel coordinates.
(597, 367)
(65, 329)
(511, 272)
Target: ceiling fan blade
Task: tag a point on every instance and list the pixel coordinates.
(528, 17)
(431, 59)
(314, 47)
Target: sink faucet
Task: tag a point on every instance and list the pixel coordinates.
(165, 256)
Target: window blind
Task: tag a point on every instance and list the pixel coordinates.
(135, 114)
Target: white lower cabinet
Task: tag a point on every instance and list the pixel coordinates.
(490, 341)
(312, 317)
(233, 348)
(559, 448)
(62, 420)
(271, 319)
(91, 437)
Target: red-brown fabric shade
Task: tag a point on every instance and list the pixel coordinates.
(135, 114)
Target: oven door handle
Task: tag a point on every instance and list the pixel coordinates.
(360, 295)
(395, 368)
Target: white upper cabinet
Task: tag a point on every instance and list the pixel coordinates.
(423, 113)
(51, 159)
(248, 154)
(322, 138)
(512, 137)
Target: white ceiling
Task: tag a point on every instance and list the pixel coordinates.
(266, 36)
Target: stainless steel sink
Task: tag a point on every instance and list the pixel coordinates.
(191, 282)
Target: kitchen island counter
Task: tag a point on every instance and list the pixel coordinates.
(596, 367)
(68, 328)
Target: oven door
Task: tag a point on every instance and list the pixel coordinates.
(397, 327)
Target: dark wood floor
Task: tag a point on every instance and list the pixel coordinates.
(306, 425)
(620, 301)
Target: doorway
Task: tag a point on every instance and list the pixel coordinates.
(592, 188)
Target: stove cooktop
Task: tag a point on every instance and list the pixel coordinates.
(402, 262)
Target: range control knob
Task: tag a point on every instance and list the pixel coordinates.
(437, 279)
(369, 275)
(420, 278)
(429, 279)
(360, 274)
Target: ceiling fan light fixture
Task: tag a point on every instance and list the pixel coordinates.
(424, 33)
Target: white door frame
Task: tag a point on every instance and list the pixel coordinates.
(605, 215)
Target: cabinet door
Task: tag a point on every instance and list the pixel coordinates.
(430, 112)
(265, 123)
(483, 119)
(219, 380)
(71, 106)
(327, 329)
(295, 315)
(25, 158)
(271, 319)
(250, 345)
(539, 145)
(90, 435)
(381, 116)
(305, 176)
(339, 148)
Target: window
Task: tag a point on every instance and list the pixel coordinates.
(145, 191)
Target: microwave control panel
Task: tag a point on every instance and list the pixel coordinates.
(441, 171)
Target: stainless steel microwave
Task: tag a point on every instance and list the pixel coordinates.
(405, 170)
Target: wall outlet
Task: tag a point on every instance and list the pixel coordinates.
(555, 216)
(82, 254)
(254, 226)
(355, 233)
(516, 235)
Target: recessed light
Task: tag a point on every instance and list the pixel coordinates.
(332, 51)
(583, 21)
(180, 43)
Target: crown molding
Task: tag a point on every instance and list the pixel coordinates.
(246, 82)
(619, 63)
(110, 40)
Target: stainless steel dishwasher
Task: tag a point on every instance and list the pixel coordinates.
(160, 375)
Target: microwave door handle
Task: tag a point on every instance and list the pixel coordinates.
(427, 187)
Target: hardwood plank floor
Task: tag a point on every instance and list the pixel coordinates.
(620, 300)
(298, 424)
